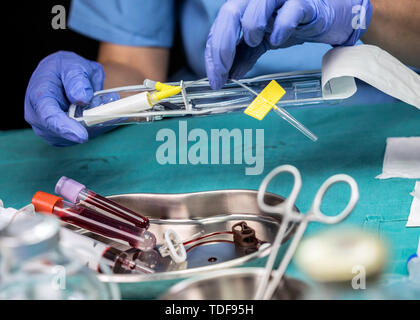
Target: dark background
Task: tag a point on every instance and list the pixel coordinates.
(27, 38)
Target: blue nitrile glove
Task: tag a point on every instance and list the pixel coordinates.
(245, 29)
(60, 79)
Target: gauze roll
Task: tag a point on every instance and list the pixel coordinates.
(374, 66)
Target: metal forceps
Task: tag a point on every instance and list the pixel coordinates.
(285, 209)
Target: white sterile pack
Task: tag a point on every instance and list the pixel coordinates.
(374, 66)
(402, 158)
(414, 217)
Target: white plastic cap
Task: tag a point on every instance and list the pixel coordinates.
(149, 83)
(173, 246)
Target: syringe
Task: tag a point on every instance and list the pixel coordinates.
(93, 221)
(76, 192)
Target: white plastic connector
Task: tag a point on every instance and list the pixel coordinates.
(149, 83)
(173, 247)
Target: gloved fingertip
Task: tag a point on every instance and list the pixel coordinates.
(275, 38)
(75, 134)
(212, 84)
(253, 39)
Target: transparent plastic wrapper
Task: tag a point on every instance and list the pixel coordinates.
(335, 82)
(196, 98)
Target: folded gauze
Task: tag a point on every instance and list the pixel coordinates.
(374, 66)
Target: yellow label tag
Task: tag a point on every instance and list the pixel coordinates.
(265, 101)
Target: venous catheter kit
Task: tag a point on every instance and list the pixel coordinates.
(256, 96)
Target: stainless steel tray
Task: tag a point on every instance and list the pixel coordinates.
(189, 213)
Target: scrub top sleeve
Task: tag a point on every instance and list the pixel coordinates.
(145, 23)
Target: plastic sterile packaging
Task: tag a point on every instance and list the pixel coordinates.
(332, 84)
(198, 99)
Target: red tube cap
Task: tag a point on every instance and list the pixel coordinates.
(44, 202)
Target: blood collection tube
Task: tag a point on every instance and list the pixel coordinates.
(76, 192)
(93, 221)
(95, 253)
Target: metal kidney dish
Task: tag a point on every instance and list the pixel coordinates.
(189, 213)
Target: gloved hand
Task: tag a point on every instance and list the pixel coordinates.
(272, 24)
(60, 79)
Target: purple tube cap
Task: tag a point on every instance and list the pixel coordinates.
(68, 189)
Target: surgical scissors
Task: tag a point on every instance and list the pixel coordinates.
(289, 215)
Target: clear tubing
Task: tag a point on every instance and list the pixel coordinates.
(99, 203)
(285, 115)
(291, 120)
(215, 94)
(101, 224)
(192, 83)
(223, 104)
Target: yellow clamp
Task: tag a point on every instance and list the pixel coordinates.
(165, 91)
(265, 101)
